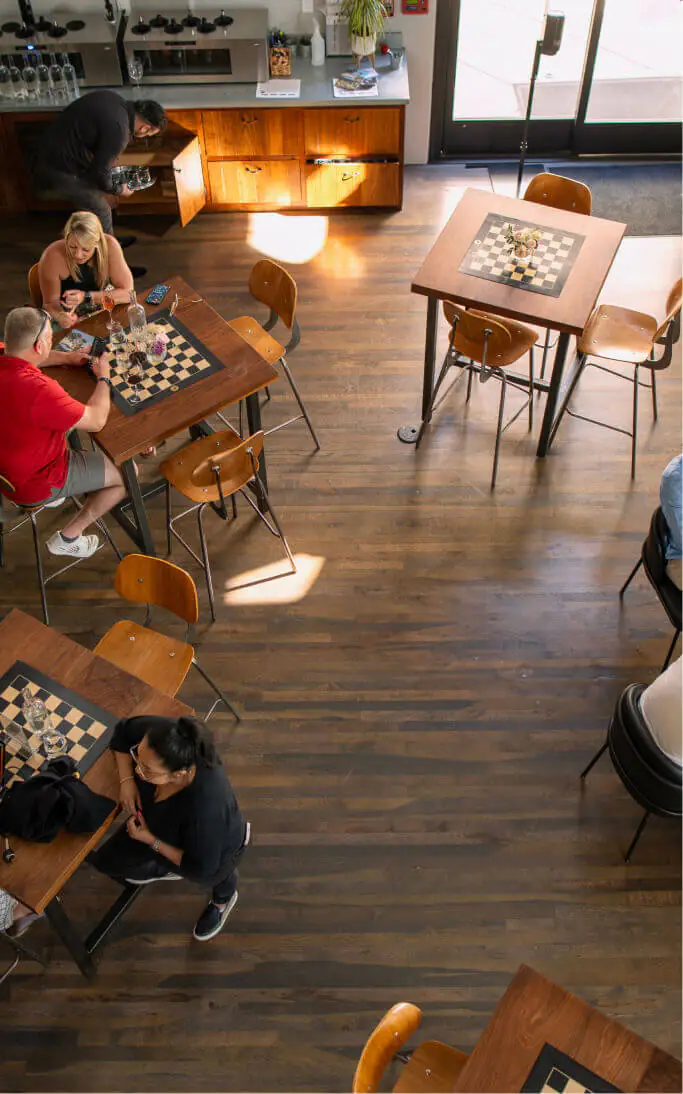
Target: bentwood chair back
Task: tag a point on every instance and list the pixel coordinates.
(161, 661)
(651, 777)
(34, 286)
(273, 286)
(559, 192)
(653, 560)
(433, 1067)
(486, 344)
(673, 310)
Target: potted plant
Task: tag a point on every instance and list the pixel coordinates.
(366, 19)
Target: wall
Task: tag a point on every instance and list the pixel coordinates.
(418, 35)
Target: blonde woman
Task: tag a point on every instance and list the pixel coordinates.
(76, 269)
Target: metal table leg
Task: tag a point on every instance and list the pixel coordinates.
(137, 528)
(63, 926)
(254, 424)
(408, 433)
(556, 402)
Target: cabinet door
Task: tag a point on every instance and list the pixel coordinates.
(330, 184)
(254, 182)
(189, 181)
(242, 133)
(353, 131)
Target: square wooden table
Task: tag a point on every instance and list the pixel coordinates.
(439, 278)
(244, 374)
(41, 870)
(534, 1012)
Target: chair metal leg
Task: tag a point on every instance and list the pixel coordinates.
(430, 407)
(595, 759)
(169, 516)
(233, 499)
(205, 556)
(264, 494)
(241, 418)
(300, 401)
(39, 568)
(221, 697)
(630, 578)
(674, 640)
(470, 377)
(654, 396)
(499, 430)
(639, 832)
(531, 389)
(634, 434)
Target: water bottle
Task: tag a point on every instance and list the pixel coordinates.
(56, 80)
(44, 86)
(70, 77)
(16, 82)
(5, 85)
(137, 319)
(29, 78)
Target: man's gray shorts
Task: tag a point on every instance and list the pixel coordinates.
(85, 475)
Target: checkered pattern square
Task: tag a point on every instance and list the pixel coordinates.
(544, 271)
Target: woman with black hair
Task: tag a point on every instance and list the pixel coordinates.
(185, 821)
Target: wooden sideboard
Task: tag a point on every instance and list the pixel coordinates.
(275, 158)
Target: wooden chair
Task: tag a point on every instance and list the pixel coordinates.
(559, 193)
(653, 560)
(619, 334)
(34, 286)
(160, 661)
(486, 344)
(273, 286)
(432, 1068)
(207, 472)
(30, 514)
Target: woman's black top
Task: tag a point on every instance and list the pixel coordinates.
(203, 819)
(87, 283)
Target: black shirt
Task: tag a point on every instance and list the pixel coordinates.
(87, 138)
(203, 819)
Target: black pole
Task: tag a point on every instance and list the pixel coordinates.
(529, 105)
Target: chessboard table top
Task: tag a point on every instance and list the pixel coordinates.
(41, 870)
(439, 276)
(244, 373)
(533, 1012)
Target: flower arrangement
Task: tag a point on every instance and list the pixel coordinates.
(158, 343)
(523, 241)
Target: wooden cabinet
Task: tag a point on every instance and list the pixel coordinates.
(331, 184)
(175, 160)
(255, 182)
(353, 131)
(244, 133)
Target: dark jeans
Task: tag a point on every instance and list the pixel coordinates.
(122, 857)
(81, 193)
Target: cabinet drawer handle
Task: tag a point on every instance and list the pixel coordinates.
(356, 119)
(347, 175)
(248, 121)
(253, 170)
(178, 170)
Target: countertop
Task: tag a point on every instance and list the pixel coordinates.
(316, 90)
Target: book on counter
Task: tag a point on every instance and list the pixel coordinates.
(356, 83)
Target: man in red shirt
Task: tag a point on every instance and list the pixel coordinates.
(36, 413)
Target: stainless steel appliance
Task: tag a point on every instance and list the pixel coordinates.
(89, 40)
(337, 38)
(205, 46)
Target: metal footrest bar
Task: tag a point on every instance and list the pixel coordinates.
(595, 421)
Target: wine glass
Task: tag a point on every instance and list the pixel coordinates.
(109, 304)
(137, 360)
(136, 71)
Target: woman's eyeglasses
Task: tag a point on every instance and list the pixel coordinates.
(144, 772)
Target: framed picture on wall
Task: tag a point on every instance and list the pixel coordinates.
(389, 8)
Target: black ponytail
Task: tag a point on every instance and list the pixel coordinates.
(182, 743)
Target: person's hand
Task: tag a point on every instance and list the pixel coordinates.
(75, 358)
(137, 829)
(72, 298)
(66, 319)
(125, 191)
(100, 367)
(129, 796)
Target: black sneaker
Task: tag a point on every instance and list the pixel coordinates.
(148, 880)
(138, 271)
(212, 920)
(126, 241)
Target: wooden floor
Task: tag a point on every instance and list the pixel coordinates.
(415, 720)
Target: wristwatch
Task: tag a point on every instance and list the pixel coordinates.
(88, 300)
(155, 845)
(104, 380)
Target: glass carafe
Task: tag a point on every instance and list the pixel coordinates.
(57, 80)
(5, 85)
(29, 78)
(16, 82)
(70, 77)
(137, 319)
(43, 73)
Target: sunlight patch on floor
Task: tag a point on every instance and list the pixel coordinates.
(287, 239)
(274, 583)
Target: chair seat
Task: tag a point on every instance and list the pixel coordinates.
(160, 661)
(522, 338)
(618, 334)
(433, 1067)
(258, 338)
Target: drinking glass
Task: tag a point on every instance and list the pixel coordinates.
(136, 71)
(108, 303)
(137, 360)
(5, 85)
(39, 721)
(117, 335)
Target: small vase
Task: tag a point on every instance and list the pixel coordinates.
(521, 250)
(364, 47)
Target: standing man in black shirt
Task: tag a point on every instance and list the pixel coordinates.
(83, 144)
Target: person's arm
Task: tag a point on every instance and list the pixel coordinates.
(129, 795)
(671, 500)
(138, 830)
(69, 359)
(96, 411)
(51, 288)
(118, 274)
(113, 136)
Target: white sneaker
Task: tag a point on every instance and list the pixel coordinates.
(54, 504)
(83, 547)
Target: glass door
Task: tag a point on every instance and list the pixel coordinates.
(612, 86)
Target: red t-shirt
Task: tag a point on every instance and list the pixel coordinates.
(35, 414)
